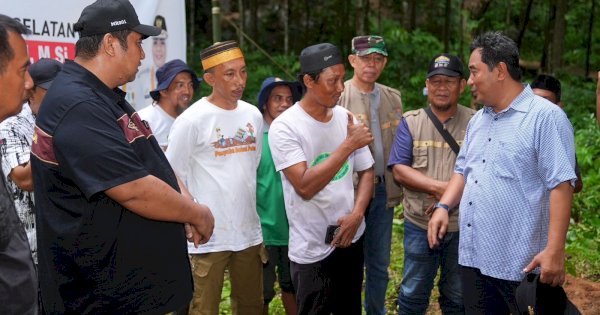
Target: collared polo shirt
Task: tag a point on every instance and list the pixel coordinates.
(510, 161)
(95, 256)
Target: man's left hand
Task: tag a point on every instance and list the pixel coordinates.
(349, 224)
(552, 265)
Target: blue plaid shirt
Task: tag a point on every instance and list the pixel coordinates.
(510, 161)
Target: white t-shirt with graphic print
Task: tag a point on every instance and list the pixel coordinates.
(296, 137)
(216, 152)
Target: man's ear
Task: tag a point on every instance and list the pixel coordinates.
(209, 78)
(108, 44)
(308, 81)
(502, 71)
(352, 60)
(463, 84)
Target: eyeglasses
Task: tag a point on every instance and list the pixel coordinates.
(375, 58)
(449, 83)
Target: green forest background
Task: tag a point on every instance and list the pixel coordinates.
(558, 37)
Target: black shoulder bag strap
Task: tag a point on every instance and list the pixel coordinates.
(447, 136)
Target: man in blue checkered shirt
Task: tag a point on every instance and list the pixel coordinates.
(514, 179)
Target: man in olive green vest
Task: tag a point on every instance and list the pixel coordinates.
(423, 162)
(380, 108)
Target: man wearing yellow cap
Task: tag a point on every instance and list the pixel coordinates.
(214, 148)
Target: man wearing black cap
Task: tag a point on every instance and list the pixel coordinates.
(380, 108)
(109, 209)
(275, 97)
(18, 280)
(176, 85)
(422, 160)
(214, 148)
(15, 145)
(318, 147)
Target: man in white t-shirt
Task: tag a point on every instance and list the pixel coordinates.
(215, 150)
(318, 147)
(176, 85)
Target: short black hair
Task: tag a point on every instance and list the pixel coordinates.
(548, 83)
(313, 75)
(8, 24)
(495, 48)
(87, 47)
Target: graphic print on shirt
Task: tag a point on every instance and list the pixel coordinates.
(340, 174)
(242, 141)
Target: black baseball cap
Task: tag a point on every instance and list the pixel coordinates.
(44, 71)
(445, 64)
(106, 16)
(318, 57)
(534, 297)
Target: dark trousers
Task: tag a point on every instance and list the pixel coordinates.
(332, 285)
(487, 295)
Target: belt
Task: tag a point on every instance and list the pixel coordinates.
(379, 179)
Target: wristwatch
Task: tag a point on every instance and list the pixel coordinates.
(442, 205)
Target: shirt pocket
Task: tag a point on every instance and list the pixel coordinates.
(419, 157)
(507, 160)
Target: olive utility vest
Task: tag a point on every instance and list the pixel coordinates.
(433, 157)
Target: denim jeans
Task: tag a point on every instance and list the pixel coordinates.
(378, 242)
(420, 268)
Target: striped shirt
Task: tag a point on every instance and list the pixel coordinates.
(510, 161)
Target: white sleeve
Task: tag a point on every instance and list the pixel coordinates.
(181, 145)
(285, 146)
(362, 159)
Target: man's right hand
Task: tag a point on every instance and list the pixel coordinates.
(200, 230)
(437, 227)
(359, 134)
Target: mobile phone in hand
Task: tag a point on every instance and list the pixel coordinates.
(332, 231)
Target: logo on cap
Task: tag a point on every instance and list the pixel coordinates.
(327, 57)
(441, 61)
(120, 22)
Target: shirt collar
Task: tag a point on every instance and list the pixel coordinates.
(519, 103)
(88, 78)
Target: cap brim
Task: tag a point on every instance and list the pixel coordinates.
(46, 85)
(370, 51)
(147, 30)
(444, 71)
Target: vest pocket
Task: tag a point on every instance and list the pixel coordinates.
(419, 157)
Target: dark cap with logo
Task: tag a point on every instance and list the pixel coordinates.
(106, 16)
(534, 297)
(364, 45)
(318, 57)
(445, 64)
(44, 71)
(167, 73)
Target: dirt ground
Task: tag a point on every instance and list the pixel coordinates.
(584, 294)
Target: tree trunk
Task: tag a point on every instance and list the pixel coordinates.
(286, 27)
(242, 24)
(476, 8)
(560, 28)
(524, 21)
(412, 9)
(589, 39)
(359, 17)
(191, 31)
(447, 25)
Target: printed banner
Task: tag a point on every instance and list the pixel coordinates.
(52, 35)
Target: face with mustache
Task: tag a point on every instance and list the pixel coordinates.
(443, 91)
(179, 93)
(228, 81)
